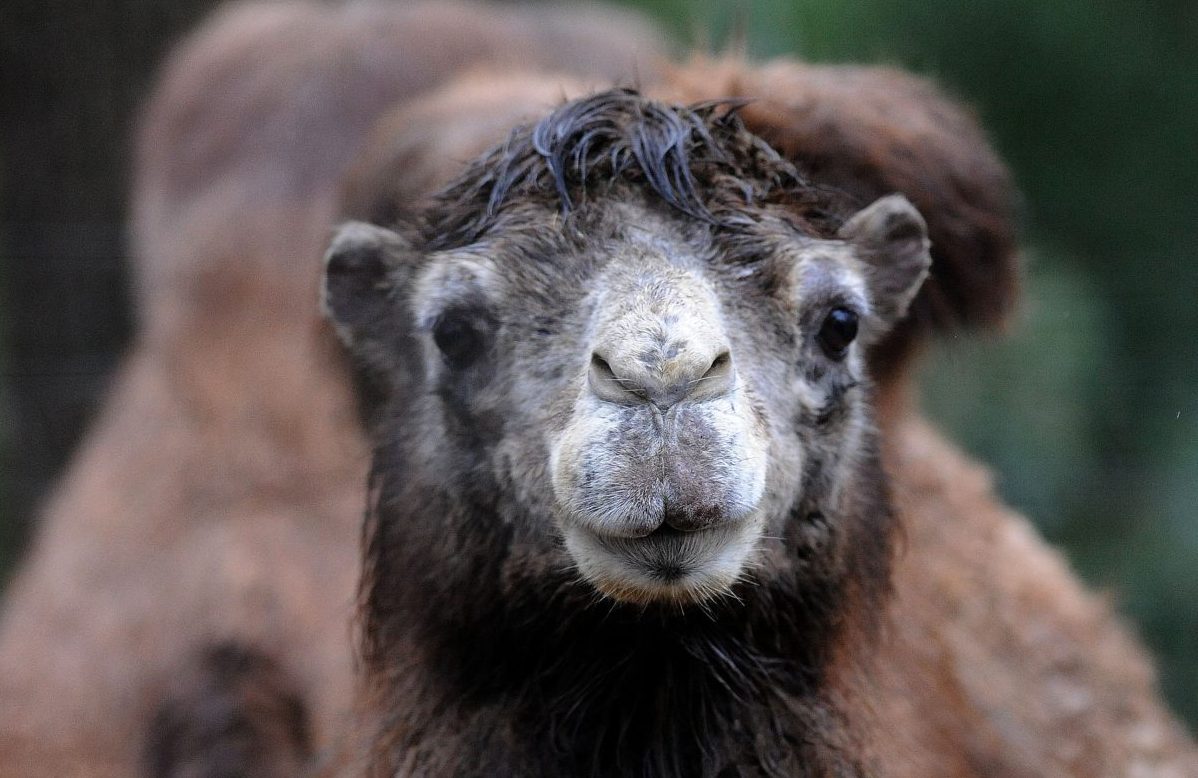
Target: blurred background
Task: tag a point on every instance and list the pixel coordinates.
(1087, 410)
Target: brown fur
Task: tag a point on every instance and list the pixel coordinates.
(217, 498)
(1000, 662)
(992, 660)
(231, 712)
(416, 148)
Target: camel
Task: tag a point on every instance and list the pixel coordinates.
(186, 607)
(649, 492)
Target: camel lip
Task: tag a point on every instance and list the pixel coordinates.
(665, 541)
(665, 531)
(661, 553)
(665, 565)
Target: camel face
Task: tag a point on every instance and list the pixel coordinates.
(654, 390)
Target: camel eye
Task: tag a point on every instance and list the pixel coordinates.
(837, 332)
(458, 337)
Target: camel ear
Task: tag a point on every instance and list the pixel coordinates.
(891, 239)
(361, 274)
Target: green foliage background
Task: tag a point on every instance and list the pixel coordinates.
(1088, 410)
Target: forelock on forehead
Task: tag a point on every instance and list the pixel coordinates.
(699, 160)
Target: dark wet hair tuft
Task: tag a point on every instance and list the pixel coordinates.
(699, 160)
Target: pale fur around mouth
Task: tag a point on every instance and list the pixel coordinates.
(670, 567)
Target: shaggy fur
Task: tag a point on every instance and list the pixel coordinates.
(699, 161)
(680, 687)
(975, 654)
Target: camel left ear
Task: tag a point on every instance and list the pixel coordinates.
(891, 240)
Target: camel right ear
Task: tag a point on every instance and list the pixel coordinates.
(361, 276)
(891, 238)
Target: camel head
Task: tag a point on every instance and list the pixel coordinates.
(632, 337)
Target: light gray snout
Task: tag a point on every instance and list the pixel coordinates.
(661, 341)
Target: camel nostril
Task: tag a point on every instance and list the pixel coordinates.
(720, 366)
(630, 383)
(717, 380)
(608, 386)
